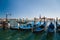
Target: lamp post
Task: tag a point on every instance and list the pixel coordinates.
(7, 17)
(6, 23)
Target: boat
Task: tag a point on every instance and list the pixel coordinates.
(27, 26)
(13, 25)
(40, 28)
(57, 26)
(50, 28)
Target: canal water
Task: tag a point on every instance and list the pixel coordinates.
(27, 35)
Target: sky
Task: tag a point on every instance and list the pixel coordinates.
(29, 8)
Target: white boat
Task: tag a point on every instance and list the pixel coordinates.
(13, 25)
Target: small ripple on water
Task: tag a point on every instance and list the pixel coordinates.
(23, 35)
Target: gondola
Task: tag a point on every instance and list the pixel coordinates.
(27, 26)
(57, 27)
(50, 28)
(40, 28)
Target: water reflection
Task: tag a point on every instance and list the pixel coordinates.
(23, 35)
(58, 36)
(28, 35)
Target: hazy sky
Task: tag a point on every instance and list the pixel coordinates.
(30, 8)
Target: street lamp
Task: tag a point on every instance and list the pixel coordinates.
(7, 16)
